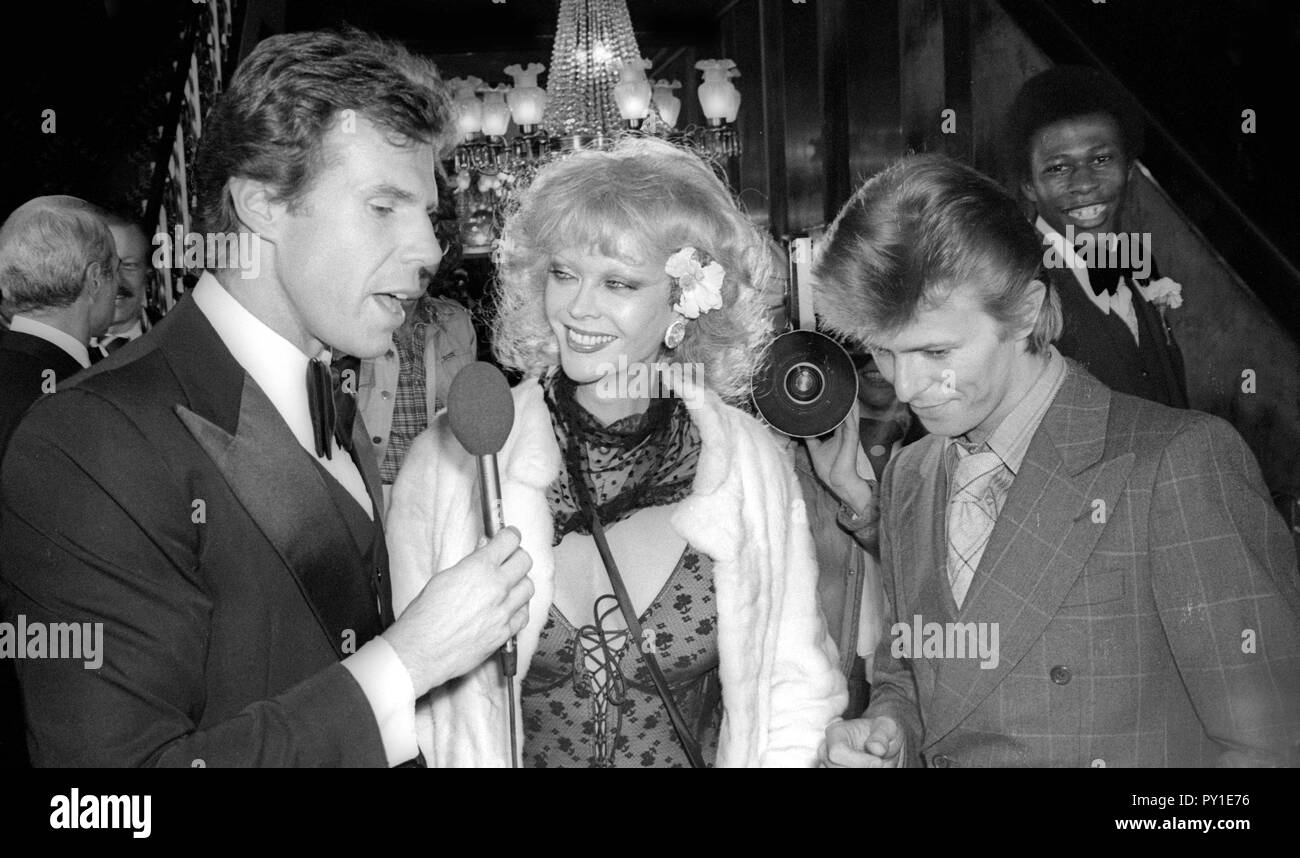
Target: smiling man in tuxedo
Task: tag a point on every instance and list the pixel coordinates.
(1071, 140)
(1124, 556)
(210, 497)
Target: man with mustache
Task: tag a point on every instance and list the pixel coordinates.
(1141, 585)
(132, 316)
(1071, 139)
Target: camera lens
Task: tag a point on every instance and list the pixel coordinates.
(804, 382)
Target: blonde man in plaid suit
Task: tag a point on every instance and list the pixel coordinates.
(1075, 577)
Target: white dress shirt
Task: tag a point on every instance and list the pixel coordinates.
(76, 350)
(1121, 302)
(134, 332)
(280, 370)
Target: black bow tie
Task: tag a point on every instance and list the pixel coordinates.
(1106, 279)
(332, 399)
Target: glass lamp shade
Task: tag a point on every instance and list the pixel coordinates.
(715, 98)
(633, 99)
(527, 104)
(669, 105)
(469, 116)
(527, 100)
(469, 110)
(633, 91)
(716, 90)
(496, 113)
(733, 105)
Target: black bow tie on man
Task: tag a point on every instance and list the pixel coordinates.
(1107, 279)
(332, 398)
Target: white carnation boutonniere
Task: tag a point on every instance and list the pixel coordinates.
(1164, 294)
(699, 281)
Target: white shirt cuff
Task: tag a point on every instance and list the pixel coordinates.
(386, 684)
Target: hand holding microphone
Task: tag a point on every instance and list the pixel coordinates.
(470, 610)
(482, 413)
(464, 613)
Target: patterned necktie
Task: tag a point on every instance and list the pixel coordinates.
(972, 512)
(332, 398)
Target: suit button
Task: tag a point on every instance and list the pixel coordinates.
(377, 439)
(1099, 763)
(1060, 675)
(385, 394)
(942, 762)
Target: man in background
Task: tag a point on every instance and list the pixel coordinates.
(1071, 139)
(132, 315)
(58, 276)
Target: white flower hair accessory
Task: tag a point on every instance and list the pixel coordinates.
(699, 281)
(1163, 293)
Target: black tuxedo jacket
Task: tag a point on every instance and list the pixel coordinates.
(1151, 369)
(24, 360)
(162, 495)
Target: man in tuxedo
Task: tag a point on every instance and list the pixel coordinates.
(58, 275)
(131, 315)
(1071, 140)
(1077, 577)
(207, 494)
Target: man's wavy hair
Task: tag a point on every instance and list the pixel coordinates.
(290, 91)
(640, 201)
(47, 246)
(922, 227)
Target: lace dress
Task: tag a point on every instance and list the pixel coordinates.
(588, 699)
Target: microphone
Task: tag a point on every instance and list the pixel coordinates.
(481, 412)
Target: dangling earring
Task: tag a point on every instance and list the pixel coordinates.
(675, 334)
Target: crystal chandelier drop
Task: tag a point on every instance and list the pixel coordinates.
(593, 41)
(597, 91)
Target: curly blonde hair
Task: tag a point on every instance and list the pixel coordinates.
(640, 200)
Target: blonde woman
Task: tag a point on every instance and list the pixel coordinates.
(631, 299)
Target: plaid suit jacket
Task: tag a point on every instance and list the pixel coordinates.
(1143, 588)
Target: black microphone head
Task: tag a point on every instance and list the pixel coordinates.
(480, 409)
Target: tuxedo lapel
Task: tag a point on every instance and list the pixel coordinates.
(364, 456)
(277, 482)
(1054, 514)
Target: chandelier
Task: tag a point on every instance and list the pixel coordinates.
(597, 91)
